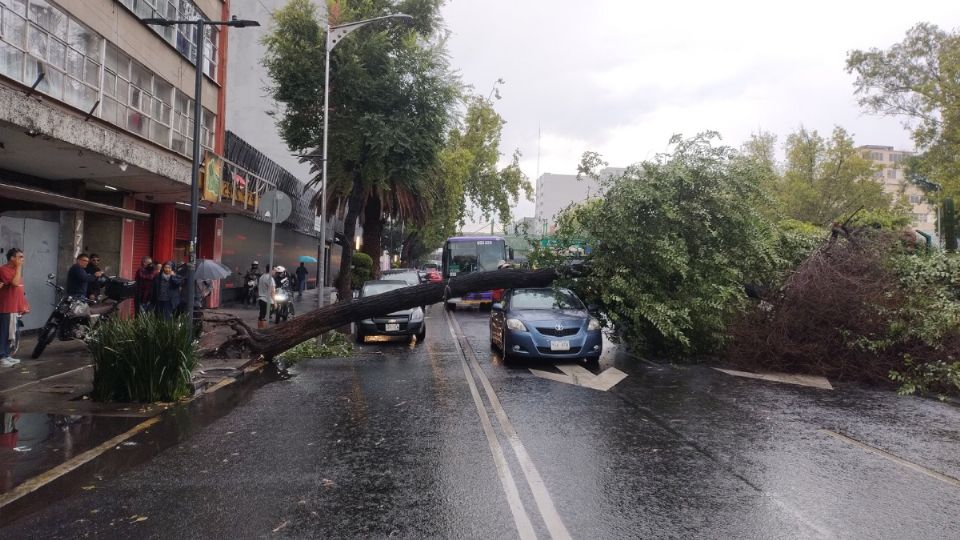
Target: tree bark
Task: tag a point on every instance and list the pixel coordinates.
(373, 230)
(273, 341)
(354, 206)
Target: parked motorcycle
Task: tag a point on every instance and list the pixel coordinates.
(283, 300)
(76, 317)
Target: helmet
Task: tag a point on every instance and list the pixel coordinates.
(279, 269)
(255, 263)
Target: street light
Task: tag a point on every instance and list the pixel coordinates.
(197, 116)
(334, 35)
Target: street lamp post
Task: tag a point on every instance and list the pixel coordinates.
(334, 35)
(197, 117)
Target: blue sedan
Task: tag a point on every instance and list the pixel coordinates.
(546, 323)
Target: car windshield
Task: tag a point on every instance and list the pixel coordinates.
(410, 276)
(372, 289)
(544, 299)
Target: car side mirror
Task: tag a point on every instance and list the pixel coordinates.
(592, 308)
(497, 306)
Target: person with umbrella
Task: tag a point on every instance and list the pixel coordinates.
(301, 279)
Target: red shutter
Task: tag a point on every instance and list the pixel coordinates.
(183, 225)
(142, 236)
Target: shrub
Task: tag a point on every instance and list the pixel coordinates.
(335, 345)
(361, 270)
(143, 359)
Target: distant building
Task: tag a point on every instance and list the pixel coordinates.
(895, 183)
(556, 192)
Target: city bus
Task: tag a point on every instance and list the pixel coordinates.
(465, 254)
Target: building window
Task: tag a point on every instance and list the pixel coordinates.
(916, 199)
(891, 173)
(183, 36)
(37, 36)
(919, 218)
(876, 156)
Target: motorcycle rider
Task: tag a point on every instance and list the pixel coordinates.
(252, 275)
(78, 280)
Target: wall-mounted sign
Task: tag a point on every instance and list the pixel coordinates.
(212, 176)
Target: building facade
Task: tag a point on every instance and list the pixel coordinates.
(892, 175)
(556, 192)
(96, 124)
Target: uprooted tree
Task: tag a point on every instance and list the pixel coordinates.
(270, 342)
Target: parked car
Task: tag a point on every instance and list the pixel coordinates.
(544, 323)
(431, 276)
(408, 323)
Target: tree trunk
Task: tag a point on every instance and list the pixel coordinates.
(354, 206)
(373, 231)
(273, 341)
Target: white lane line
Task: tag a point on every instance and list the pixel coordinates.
(38, 482)
(541, 496)
(520, 517)
(894, 458)
(788, 378)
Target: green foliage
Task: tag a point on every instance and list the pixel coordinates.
(673, 242)
(335, 345)
(927, 377)
(827, 180)
(361, 270)
(795, 241)
(888, 219)
(919, 79)
(143, 360)
(948, 224)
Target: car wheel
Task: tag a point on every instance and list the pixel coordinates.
(422, 335)
(360, 337)
(592, 362)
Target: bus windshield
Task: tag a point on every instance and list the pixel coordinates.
(462, 256)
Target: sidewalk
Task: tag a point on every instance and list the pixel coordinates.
(59, 381)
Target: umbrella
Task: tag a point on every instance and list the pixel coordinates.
(307, 259)
(209, 270)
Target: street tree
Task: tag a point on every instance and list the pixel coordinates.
(392, 98)
(918, 80)
(827, 179)
(672, 243)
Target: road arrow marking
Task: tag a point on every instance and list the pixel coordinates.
(579, 376)
(788, 378)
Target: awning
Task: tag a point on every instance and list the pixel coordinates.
(21, 193)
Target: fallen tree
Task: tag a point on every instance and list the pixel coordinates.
(270, 342)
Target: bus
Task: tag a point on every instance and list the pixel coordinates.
(465, 254)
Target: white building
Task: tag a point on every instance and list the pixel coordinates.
(556, 192)
(895, 183)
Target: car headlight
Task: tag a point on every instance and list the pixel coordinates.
(417, 315)
(516, 324)
(280, 297)
(594, 325)
(366, 321)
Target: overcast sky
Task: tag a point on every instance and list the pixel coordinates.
(621, 76)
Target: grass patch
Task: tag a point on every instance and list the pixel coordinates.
(143, 360)
(335, 345)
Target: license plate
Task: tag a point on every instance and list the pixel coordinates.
(393, 328)
(559, 345)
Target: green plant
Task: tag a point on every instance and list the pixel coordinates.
(361, 270)
(335, 345)
(143, 359)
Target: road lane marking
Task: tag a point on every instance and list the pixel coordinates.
(520, 517)
(788, 378)
(894, 458)
(541, 496)
(579, 376)
(39, 481)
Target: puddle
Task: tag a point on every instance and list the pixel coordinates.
(32, 443)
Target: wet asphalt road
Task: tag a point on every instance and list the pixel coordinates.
(390, 443)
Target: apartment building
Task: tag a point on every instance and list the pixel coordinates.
(556, 192)
(96, 123)
(895, 183)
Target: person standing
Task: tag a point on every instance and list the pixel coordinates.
(78, 280)
(301, 279)
(144, 278)
(13, 301)
(93, 291)
(266, 289)
(166, 291)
